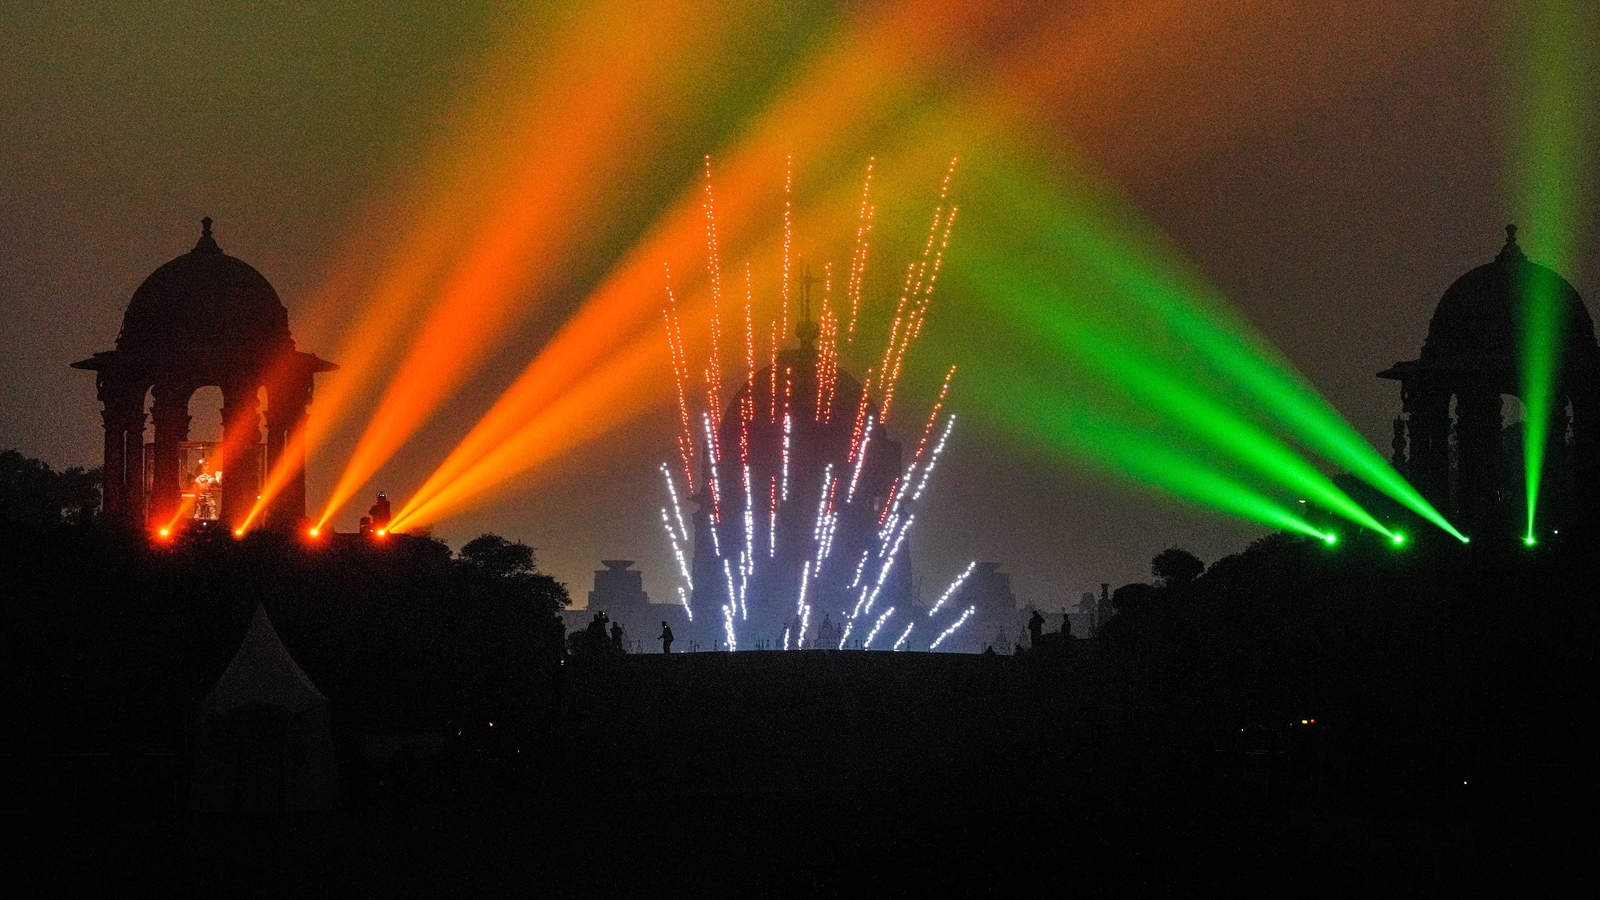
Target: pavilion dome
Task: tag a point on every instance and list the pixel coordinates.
(1477, 319)
(205, 300)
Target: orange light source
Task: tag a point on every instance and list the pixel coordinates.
(165, 532)
(315, 532)
(238, 532)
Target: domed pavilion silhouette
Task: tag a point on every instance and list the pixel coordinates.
(204, 319)
(1451, 439)
(822, 431)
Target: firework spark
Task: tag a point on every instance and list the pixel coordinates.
(867, 644)
(807, 437)
(952, 629)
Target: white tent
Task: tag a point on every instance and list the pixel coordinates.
(262, 741)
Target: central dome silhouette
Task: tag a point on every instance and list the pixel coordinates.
(205, 300)
(1476, 321)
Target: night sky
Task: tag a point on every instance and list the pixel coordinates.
(1329, 167)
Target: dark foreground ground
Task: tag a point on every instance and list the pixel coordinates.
(783, 845)
(766, 774)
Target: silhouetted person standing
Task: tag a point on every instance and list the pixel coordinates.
(1066, 624)
(666, 638)
(380, 512)
(596, 634)
(1035, 626)
(616, 636)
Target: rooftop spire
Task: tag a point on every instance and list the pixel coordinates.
(207, 243)
(1511, 250)
(805, 329)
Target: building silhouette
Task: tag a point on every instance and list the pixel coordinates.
(204, 319)
(1451, 439)
(619, 593)
(618, 586)
(996, 620)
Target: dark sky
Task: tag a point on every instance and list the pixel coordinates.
(1331, 167)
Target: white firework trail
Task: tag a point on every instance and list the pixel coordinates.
(716, 487)
(744, 586)
(683, 597)
(888, 561)
(727, 624)
(677, 551)
(861, 457)
(787, 420)
(847, 628)
(860, 567)
(860, 602)
(749, 523)
(933, 459)
(827, 538)
(903, 635)
(887, 532)
(786, 637)
(822, 503)
(951, 630)
(677, 508)
(954, 586)
(875, 626)
(727, 573)
(800, 607)
(805, 577)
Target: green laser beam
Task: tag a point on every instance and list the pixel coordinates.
(1149, 461)
(1225, 343)
(1152, 382)
(1554, 48)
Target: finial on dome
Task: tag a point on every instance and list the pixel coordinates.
(805, 329)
(1511, 249)
(207, 243)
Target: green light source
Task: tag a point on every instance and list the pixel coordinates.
(1399, 539)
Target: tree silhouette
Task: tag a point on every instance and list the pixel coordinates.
(32, 493)
(1173, 567)
(494, 556)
